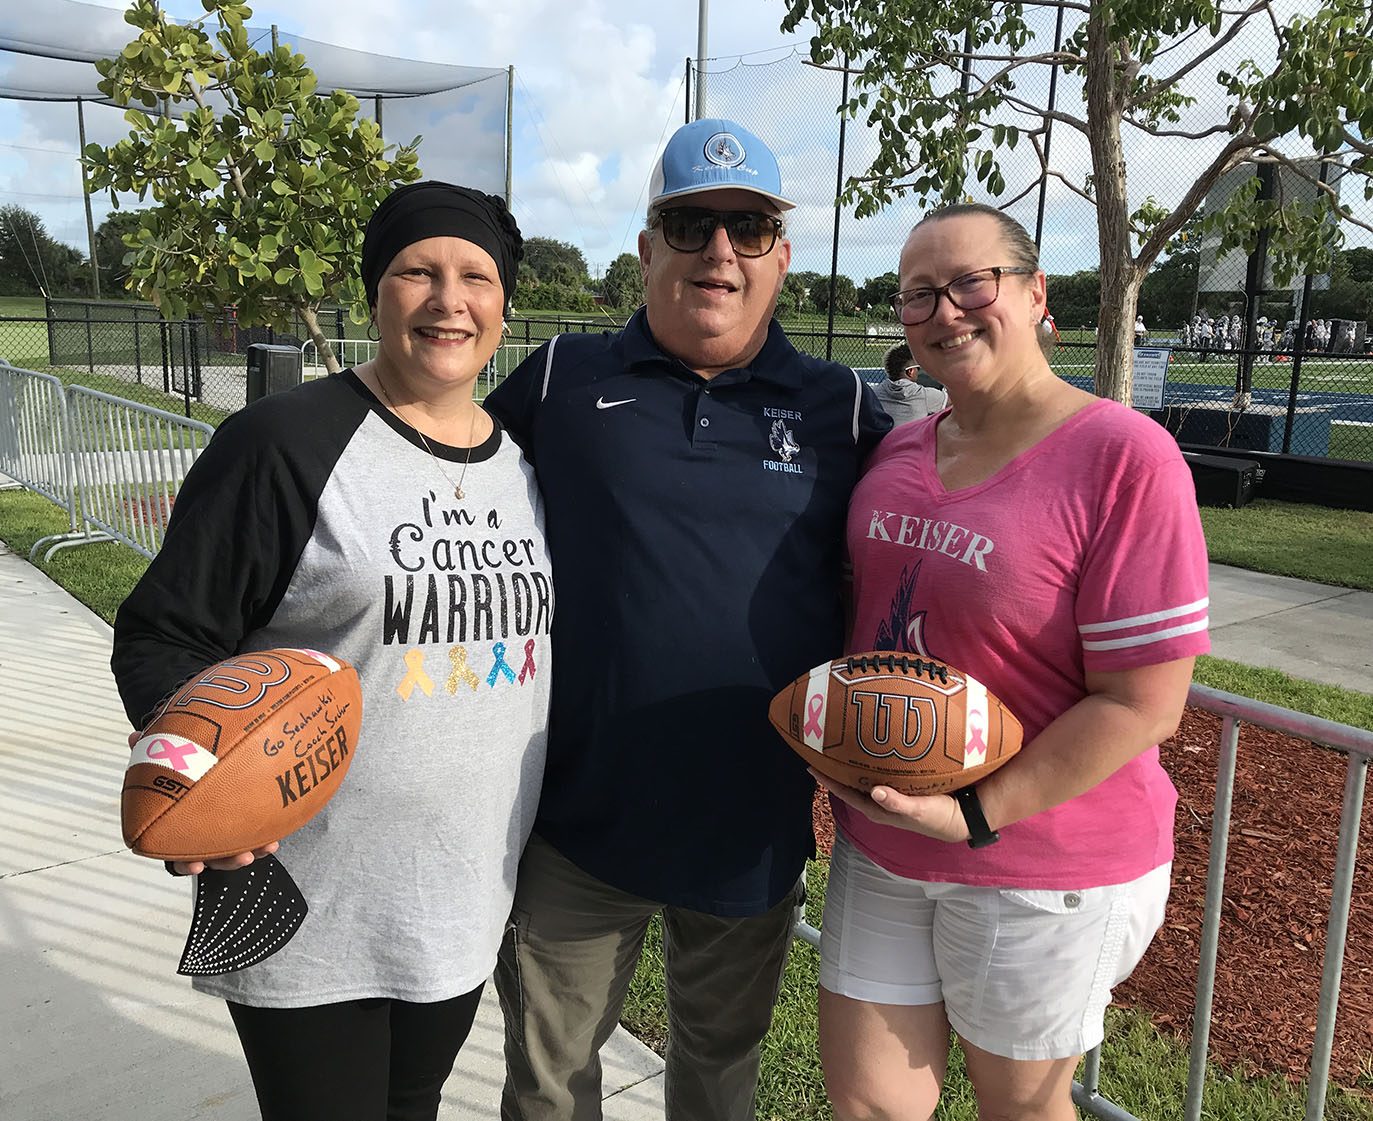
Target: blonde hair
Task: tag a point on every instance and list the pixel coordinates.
(1024, 252)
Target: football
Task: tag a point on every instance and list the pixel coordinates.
(883, 719)
(243, 754)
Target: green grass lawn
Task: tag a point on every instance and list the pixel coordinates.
(1344, 706)
(1351, 441)
(100, 576)
(1287, 539)
(1142, 1069)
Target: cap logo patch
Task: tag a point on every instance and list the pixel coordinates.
(724, 150)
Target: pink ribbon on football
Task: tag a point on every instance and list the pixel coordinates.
(176, 754)
(814, 707)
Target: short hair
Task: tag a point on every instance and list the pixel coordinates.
(896, 362)
(1024, 253)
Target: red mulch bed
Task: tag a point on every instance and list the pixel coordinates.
(1283, 831)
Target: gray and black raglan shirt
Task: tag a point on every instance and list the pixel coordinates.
(316, 518)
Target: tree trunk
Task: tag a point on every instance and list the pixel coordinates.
(1115, 337)
(1121, 277)
(323, 347)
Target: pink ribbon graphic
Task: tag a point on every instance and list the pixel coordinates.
(528, 666)
(175, 753)
(814, 707)
(976, 747)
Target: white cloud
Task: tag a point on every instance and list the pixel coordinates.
(599, 85)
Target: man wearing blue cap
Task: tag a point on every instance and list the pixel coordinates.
(696, 471)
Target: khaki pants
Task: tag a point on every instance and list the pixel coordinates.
(565, 967)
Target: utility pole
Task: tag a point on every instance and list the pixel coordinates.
(702, 20)
(510, 137)
(86, 198)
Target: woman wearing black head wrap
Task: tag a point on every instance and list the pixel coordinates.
(383, 517)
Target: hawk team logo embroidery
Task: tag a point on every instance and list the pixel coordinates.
(782, 442)
(724, 150)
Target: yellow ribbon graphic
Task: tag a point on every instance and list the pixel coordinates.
(414, 661)
(461, 670)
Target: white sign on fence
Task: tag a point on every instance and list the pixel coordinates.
(1151, 371)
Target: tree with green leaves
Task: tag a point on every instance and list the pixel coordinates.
(795, 294)
(33, 261)
(874, 295)
(555, 262)
(624, 282)
(937, 82)
(845, 295)
(111, 248)
(1075, 299)
(261, 189)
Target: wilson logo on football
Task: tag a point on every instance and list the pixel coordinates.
(236, 684)
(893, 726)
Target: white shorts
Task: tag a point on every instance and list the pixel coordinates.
(1022, 974)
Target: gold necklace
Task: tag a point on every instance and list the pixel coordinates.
(458, 492)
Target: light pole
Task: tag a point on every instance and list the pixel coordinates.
(701, 21)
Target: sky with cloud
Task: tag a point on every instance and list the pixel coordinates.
(599, 85)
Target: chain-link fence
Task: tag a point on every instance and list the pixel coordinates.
(195, 367)
(1305, 374)
(1298, 400)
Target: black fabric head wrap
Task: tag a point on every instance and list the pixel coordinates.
(433, 209)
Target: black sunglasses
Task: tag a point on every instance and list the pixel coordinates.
(688, 229)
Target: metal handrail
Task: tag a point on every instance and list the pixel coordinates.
(1357, 744)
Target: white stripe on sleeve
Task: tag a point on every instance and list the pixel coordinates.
(548, 366)
(1140, 620)
(1144, 639)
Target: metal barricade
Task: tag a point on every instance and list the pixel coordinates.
(349, 352)
(502, 363)
(1357, 744)
(129, 461)
(352, 352)
(33, 440)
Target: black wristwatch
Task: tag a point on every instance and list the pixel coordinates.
(979, 834)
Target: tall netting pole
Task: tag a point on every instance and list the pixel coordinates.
(510, 136)
(86, 198)
(838, 212)
(702, 19)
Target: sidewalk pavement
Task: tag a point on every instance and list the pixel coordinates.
(98, 1025)
(1311, 631)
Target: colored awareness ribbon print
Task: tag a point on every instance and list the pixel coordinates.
(814, 707)
(501, 666)
(414, 661)
(461, 671)
(528, 666)
(176, 754)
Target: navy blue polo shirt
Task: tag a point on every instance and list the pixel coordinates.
(696, 528)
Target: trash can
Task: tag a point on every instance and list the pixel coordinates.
(272, 368)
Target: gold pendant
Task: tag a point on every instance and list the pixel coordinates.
(457, 493)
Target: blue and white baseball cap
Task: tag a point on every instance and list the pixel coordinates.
(714, 154)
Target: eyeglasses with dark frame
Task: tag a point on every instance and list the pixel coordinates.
(688, 229)
(968, 292)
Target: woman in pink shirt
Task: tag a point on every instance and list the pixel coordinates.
(1046, 542)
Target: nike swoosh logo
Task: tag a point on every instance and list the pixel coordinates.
(602, 403)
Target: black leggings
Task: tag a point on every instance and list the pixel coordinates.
(360, 1060)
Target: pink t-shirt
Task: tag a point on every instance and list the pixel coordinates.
(1083, 553)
